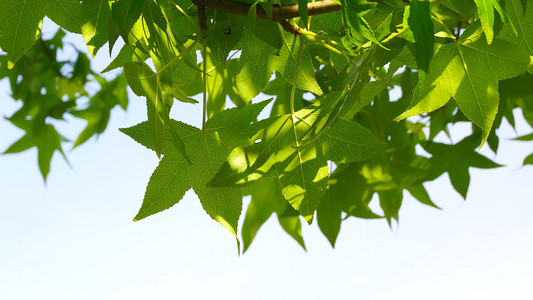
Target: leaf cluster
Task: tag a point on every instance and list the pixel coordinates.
(336, 138)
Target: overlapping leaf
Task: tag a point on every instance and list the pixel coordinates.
(287, 60)
(456, 160)
(65, 13)
(267, 199)
(208, 151)
(20, 26)
(523, 19)
(486, 14)
(302, 171)
(469, 72)
(96, 18)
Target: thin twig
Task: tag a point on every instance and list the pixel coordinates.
(279, 13)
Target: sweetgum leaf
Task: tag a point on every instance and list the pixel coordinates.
(126, 13)
(65, 13)
(302, 171)
(20, 24)
(254, 71)
(267, 199)
(528, 160)
(456, 160)
(421, 25)
(144, 82)
(174, 176)
(286, 63)
(523, 20)
(95, 29)
(353, 11)
(347, 141)
(329, 217)
(123, 57)
(420, 193)
(302, 9)
(466, 8)
(46, 139)
(456, 72)
(486, 14)
(292, 225)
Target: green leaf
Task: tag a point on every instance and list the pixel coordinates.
(174, 176)
(224, 36)
(254, 71)
(268, 32)
(95, 17)
(125, 56)
(391, 201)
(456, 160)
(286, 63)
(144, 82)
(46, 139)
(486, 14)
(528, 160)
(302, 9)
(126, 13)
(456, 72)
(360, 96)
(20, 26)
(266, 199)
(221, 85)
(523, 20)
(302, 170)
(466, 8)
(304, 180)
(65, 13)
(359, 30)
(420, 23)
(347, 141)
(419, 193)
(527, 137)
(329, 217)
(290, 222)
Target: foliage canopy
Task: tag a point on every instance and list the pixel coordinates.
(335, 137)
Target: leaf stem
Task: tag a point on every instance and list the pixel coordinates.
(293, 91)
(204, 106)
(312, 36)
(297, 70)
(436, 18)
(187, 16)
(179, 56)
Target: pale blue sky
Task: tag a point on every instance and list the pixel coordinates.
(74, 238)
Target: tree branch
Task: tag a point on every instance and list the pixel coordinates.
(279, 13)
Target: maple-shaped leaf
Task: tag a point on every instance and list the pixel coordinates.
(267, 199)
(96, 17)
(288, 63)
(208, 151)
(418, 17)
(528, 160)
(65, 13)
(20, 23)
(302, 170)
(457, 71)
(358, 28)
(126, 13)
(456, 160)
(46, 139)
(522, 17)
(486, 15)
(254, 71)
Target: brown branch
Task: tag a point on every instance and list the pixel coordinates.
(279, 13)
